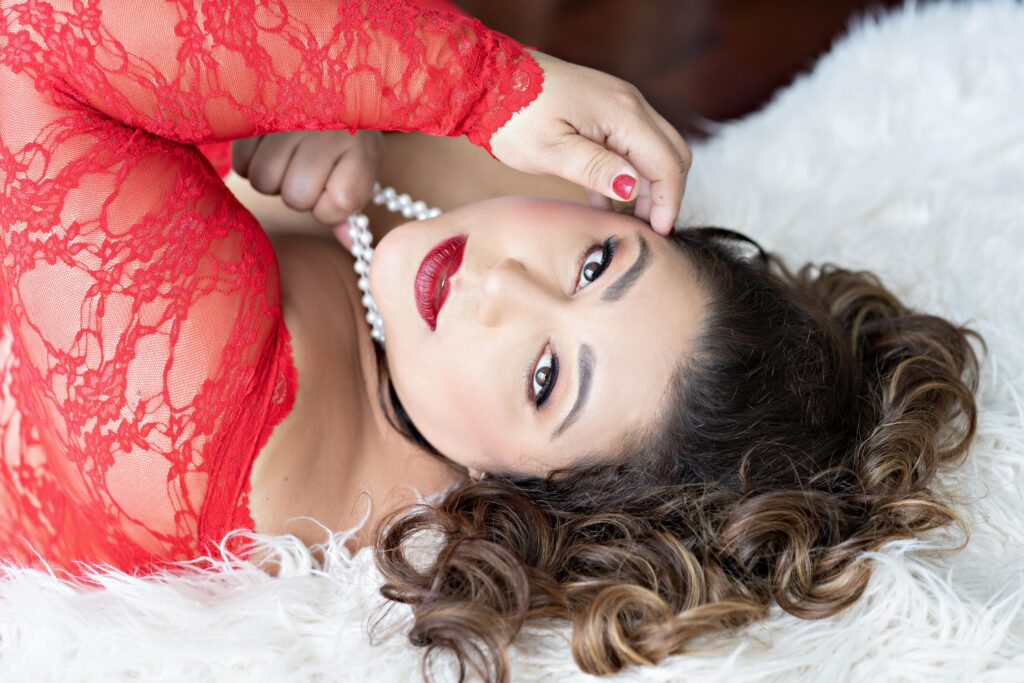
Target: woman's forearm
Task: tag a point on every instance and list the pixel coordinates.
(198, 71)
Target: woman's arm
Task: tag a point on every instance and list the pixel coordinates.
(198, 71)
(443, 172)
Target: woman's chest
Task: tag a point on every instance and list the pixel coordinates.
(304, 467)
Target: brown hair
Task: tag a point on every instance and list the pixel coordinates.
(805, 428)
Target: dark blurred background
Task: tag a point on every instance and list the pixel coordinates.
(717, 59)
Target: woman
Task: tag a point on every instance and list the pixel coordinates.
(147, 358)
(649, 437)
(746, 434)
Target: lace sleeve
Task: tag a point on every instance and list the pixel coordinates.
(198, 71)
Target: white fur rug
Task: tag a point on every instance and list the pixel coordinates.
(902, 152)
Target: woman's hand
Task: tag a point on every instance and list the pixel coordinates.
(590, 127)
(328, 172)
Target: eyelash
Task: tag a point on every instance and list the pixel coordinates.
(530, 371)
(608, 253)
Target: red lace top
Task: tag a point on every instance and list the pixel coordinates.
(143, 356)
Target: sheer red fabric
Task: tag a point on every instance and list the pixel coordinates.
(143, 356)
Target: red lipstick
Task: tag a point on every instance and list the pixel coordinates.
(433, 277)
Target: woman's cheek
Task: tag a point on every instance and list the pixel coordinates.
(478, 421)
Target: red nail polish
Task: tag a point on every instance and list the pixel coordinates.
(623, 185)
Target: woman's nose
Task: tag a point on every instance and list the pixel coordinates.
(508, 290)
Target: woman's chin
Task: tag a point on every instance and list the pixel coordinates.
(392, 273)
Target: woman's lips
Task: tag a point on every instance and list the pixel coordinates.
(433, 278)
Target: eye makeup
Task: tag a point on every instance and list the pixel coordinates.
(530, 376)
(530, 373)
(607, 255)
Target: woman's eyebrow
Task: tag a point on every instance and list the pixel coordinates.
(585, 369)
(584, 373)
(618, 289)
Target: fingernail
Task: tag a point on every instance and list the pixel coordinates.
(623, 185)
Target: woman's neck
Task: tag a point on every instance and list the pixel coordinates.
(384, 463)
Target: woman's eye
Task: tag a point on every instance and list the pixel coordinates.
(544, 375)
(545, 371)
(595, 263)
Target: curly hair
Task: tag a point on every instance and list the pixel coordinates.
(804, 428)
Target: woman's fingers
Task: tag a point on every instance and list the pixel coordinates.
(307, 173)
(241, 154)
(599, 170)
(349, 187)
(672, 134)
(589, 164)
(270, 160)
(643, 193)
(598, 131)
(597, 200)
(660, 164)
(330, 173)
(683, 149)
(642, 210)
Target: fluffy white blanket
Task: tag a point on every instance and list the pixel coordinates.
(901, 152)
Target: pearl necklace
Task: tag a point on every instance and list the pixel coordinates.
(359, 231)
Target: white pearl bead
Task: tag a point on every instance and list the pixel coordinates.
(362, 238)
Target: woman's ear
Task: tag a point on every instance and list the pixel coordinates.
(476, 475)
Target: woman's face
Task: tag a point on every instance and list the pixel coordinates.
(558, 338)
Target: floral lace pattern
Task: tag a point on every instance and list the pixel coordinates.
(143, 356)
